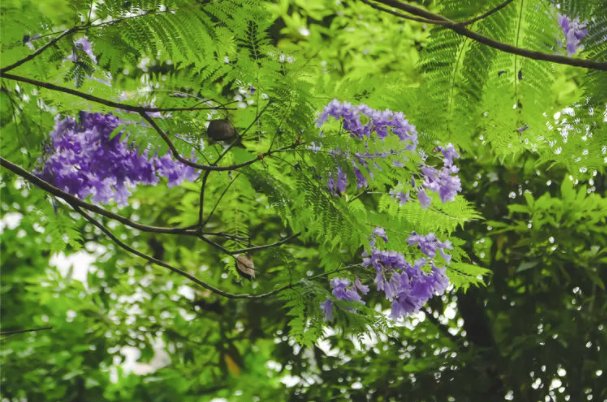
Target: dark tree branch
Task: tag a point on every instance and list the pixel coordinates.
(461, 29)
(23, 331)
(487, 14)
(38, 51)
(74, 201)
(92, 98)
(49, 188)
(398, 14)
(161, 263)
(143, 111)
(191, 277)
(203, 185)
(257, 248)
(213, 167)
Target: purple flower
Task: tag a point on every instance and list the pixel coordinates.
(84, 45)
(337, 185)
(343, 291)
(342, 181)
(408, 287)
(364, 289)
(423, 198)
(574, 32)
(382, 122)
(414, 288)
(445, 181)
(327, 309)
(82, 160)
(361, 180)
(449, 153)
(381, 233)
(400, 196)
(429, 244)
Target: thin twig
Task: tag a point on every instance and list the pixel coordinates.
(38, 51)
(203, 186)
(188, 162)
(225, 190)
(486, 14)
(400, 15)
(23, 331)
(158, 262)
(257, 248)
(49, 188)
(440, 20)
(205, 177)
(106, 102)
(74, 201)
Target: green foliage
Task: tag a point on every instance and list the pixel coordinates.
(530, 222)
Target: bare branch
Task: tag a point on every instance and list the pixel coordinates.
(398, 14)
(461, 29)
(23, 331)
(38, 51)
(72, 200)
(92, 98)
(161, 263)
(262, 247)
(487, 14)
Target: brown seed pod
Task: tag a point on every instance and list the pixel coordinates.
(221, 130)
(245, 266)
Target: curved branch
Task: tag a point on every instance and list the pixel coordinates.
(72, 200)
(143, 112)
(38, 51)
(191, 277)
(23, 331)
(487, 14)
(461, 29)
(262, 247)
(212, 167)
(400, 15)
(92, 98)
(158, 262)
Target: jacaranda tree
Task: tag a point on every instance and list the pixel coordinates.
(303, 200)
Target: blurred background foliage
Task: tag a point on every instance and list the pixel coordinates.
(122, 330)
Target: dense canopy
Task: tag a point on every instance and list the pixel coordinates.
(247, 200)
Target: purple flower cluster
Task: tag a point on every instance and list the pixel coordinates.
(574, 32)
(382, 122)
(429, 243)
(84, 161)
(343, 290)
(408, 287)
(445, 181)
(84, 45)
(361, 122)
(337, 185)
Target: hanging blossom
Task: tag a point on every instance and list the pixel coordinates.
(574, 32)
(84, 45)
(337, 184)
(361, 122)
(445, 181)
(82, 160)
(407, 286)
